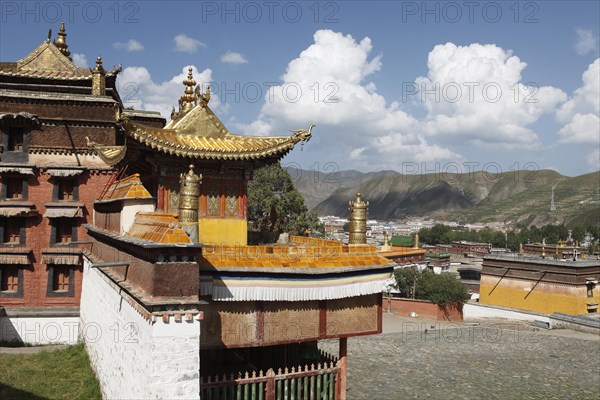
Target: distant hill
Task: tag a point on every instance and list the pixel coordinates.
(515, 197)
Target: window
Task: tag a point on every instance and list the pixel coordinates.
(64, 230)
(65, 189)
(61, 281)
(15, 139)
(10, 279)
(14, 188)
(12, 233)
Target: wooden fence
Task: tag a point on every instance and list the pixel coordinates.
(308, 383)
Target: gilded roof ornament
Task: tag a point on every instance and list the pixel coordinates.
(61, 42)
(99, 67)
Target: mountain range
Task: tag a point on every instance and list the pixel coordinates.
(516, 197)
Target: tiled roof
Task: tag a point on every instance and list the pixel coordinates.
(301, 253)
(225, 146)
(128, 188)
(159, 227)
(46, 61)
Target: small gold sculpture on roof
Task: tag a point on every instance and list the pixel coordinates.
(61, 42)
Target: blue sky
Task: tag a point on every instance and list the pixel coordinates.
(360, 66)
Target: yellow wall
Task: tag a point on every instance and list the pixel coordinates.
(544, 298)
(228, 231)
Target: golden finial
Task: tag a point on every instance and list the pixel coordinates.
(98, 79)
(61, 41)
(189, 99)
(416, 242)
(99, 67)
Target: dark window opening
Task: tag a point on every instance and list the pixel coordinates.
(12, 232)
(64, 230)
(10, 279)
(14, 188)
(65, 189)
(15, 139)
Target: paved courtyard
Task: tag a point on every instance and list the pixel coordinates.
(493, 359)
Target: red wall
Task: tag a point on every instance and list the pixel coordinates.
(424, 309)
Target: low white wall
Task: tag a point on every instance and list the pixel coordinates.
(130, 209)
(478, 311)
(39, 329)
(133, 357)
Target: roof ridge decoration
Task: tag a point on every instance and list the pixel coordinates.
(51, 60)
(109, 154)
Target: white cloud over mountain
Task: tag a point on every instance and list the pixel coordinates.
(328, 84)
(474, 95)
(581, 113)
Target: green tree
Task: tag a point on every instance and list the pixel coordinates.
(442, 289)
(275, 205)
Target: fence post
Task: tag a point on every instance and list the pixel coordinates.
(270, 387)
(341, 382)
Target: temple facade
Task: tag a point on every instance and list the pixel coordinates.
(171, 299)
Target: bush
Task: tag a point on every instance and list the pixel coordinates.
(442, 289)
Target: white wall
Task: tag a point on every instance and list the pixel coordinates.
(477, 311)
(131, 208)
(39, 330)
(132, 357)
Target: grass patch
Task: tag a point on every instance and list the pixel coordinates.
(62, 374)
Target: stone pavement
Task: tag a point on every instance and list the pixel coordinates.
(495, 359)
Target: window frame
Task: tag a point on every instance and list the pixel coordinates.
(56, 190)
(54, 233)
(4, 221)
(19, 292)
(6, 178)
(50, 292)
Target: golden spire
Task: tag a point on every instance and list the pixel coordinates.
(61, 42)
(189, 99)
(416, 242)
(98, 79)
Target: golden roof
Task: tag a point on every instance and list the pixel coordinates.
(49, 60)
(128, 188)
(223, 146)
(159, 227)
(301, 253)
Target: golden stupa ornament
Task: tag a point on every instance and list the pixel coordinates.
(190, 96)
(61, 42)
(358, 221)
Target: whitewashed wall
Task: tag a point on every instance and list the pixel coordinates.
(132, 357)
(39, 329)
(130, 209)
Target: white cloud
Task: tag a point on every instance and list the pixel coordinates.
(474, 95)
(581, 113)
(80, 60)
(138, 89)
(586, 41)
(187, 44)
(130, 45)
(593, 160)
(328, 84)
(233, 58)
